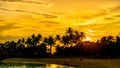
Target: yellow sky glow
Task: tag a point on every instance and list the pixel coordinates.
(21, 18)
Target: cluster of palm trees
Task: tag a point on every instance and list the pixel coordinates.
(106, 47)
(69, 44)
(110, 46)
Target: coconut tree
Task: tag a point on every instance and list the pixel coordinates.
(28, 42)
(11, 49)
(58, 37)
(39, 38)
(110, 38)
(79, 36)
(35, 40)
(69, 37)
(65, 40)
(69, 30)
(50, 41)
(21, 47)
(117, 46)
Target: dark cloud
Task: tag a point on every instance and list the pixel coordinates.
(4, 9)
(8, 26)
(49, 16)
(24, 1)
(27, 12)
(20, 11)
(117, 8)
(109, 18)
(45, 15)
(1, 20)
(34, 2)
(117, 15)
(50, 22)
(11, 0)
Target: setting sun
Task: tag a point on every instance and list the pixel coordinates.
(87, 39)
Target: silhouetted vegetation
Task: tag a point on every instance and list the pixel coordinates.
(70, 44)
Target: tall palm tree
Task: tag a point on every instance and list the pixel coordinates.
(65, 40)
(42, 50)
(69, 37)
(58, 37)
(33, 42)
(28, 42)
(110, 38)
(11, 49)
(21, 47)
(19, 41)
(38, 39)
(69, 30)
(39, 36)
(118, 40)
(50, 41)
(77, 35)
(118, 46)
(23, 40)
(73, 36)
(103, 39)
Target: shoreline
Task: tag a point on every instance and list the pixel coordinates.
(58, 61)
(72, 62)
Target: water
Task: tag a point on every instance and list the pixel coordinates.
(29, 65)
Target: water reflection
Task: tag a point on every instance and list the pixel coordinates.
(30, 65)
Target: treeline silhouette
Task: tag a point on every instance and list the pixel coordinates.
(71, 44)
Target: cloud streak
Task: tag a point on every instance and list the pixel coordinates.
(1, 20)
(5, 9)
(51, 22)
(24, 1)
(11, 0)
(45, 15)
(11, 38)
(27, 12)
(8, 27)
(49, 16)
(117, 8)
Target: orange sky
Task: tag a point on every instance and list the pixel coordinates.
(21, 18)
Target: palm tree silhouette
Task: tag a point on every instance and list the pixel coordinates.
(49, 41)
(21, 47)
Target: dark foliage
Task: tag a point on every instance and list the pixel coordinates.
(71, 44)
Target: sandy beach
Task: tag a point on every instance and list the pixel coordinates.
(74, 62)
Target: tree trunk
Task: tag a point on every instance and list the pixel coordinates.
(51, 49)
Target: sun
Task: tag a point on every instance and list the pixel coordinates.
(87, 39)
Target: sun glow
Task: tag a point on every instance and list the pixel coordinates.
(87, 39)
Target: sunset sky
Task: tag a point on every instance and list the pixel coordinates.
(21, 18)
